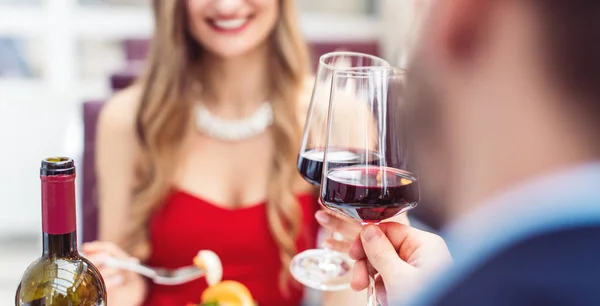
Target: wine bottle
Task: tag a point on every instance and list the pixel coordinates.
(60, 277)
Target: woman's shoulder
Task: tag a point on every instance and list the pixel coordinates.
(116, 123)
(119, 112)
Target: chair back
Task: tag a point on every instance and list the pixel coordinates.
(89, 205)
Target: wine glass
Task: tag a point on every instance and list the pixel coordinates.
(325, 269)
(382, 183)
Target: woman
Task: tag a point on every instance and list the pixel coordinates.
(176, 172)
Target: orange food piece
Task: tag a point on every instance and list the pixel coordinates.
(228, 293)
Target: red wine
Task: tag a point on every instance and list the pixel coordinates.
(310, 163)
(370, 194)
(61, 276)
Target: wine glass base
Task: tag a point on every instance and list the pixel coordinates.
(322, 269)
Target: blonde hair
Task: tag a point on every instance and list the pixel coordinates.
(163, 121)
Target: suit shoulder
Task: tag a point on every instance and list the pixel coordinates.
(556, 268)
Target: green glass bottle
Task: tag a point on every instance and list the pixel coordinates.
(60, 277)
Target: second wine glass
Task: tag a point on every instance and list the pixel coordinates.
(325, 269)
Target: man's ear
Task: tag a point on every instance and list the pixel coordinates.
(459, 29)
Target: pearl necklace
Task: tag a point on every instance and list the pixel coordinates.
(234, 130)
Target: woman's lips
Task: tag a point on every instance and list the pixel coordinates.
(229, 25)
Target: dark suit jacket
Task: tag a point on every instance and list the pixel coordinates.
(536, 245)
(554, 269)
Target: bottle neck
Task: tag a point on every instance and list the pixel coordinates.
(61, 245)
(58, 214)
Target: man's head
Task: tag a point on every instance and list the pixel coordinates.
(504, 90)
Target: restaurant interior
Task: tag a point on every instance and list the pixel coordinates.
(60, 60)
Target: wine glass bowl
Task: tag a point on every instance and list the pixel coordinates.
(360, 192)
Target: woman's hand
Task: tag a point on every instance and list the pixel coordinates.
(344, 229)
(123, 287)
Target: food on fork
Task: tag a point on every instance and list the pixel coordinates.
(220, 293)
(210, 263)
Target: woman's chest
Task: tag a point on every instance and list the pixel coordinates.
(231, 175)
(183, 228)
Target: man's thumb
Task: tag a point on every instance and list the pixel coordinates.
(380, 252)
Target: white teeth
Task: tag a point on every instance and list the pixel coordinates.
(230, 24)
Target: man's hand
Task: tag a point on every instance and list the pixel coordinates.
(345, 229)
(404, 257)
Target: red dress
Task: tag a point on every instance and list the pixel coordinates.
(241, 238)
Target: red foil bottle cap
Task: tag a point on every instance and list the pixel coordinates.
(58, 196)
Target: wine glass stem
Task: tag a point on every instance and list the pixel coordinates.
(330, 236)
(371, 294)
(325, 261)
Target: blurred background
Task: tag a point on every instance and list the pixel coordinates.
(60, 59)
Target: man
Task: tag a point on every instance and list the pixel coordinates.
(506, 97)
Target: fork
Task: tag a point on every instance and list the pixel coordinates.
(161, 276)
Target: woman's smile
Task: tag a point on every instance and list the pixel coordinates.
(231, 25)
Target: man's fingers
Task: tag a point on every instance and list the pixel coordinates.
(405, 239)
(360, 277)
(402, 237)
(381, 253)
